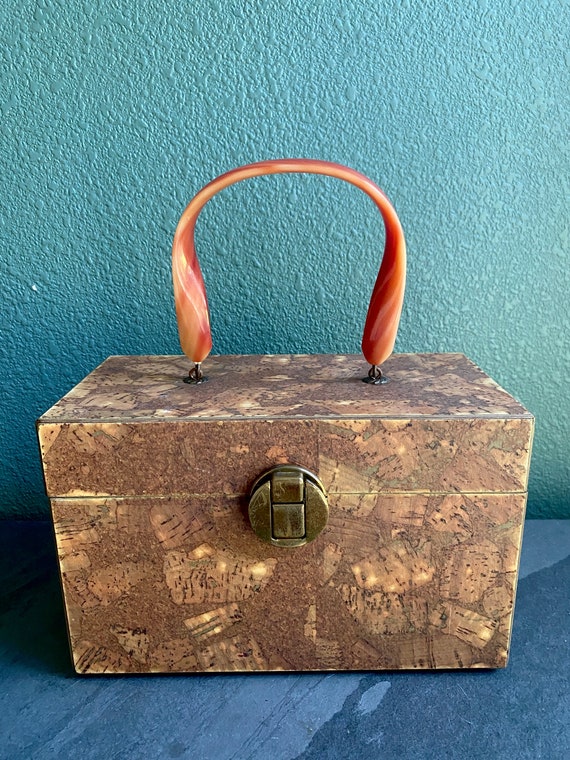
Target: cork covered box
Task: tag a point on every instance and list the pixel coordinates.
(415, 567)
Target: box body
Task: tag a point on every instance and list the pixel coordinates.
(149, 479)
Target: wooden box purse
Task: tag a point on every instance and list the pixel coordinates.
(285, 515)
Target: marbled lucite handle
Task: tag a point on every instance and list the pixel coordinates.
(190, 294)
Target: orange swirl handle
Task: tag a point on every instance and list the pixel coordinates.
(387, 298)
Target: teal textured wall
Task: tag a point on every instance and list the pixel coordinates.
(114, 114)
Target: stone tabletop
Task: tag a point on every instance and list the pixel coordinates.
(48, 712)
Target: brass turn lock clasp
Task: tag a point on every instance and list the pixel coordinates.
(288, 506)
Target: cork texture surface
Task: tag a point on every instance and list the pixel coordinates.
(283, 386)
(354, 456)
(149, 479)
(133, 427)
(393, 581)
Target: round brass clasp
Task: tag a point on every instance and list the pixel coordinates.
(288, 506)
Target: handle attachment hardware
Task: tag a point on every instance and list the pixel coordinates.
(375, 376)
(195, 375)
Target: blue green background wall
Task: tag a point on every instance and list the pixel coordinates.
(114, 114)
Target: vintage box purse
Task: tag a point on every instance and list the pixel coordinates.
(285, 515)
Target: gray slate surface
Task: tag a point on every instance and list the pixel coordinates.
(47, 712)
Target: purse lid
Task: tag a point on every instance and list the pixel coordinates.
(131, 427)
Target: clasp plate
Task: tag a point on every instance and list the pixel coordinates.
(288, 506)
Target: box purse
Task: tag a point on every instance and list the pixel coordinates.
(285, 515)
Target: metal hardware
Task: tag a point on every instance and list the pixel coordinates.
(375, 376)
(195, 376)
(288, 506)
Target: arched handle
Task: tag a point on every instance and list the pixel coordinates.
(387, 298)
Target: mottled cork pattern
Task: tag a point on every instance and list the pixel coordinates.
(161, 459)
(127, 388)
(416, 568)
(394, 581)
(439, 425)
